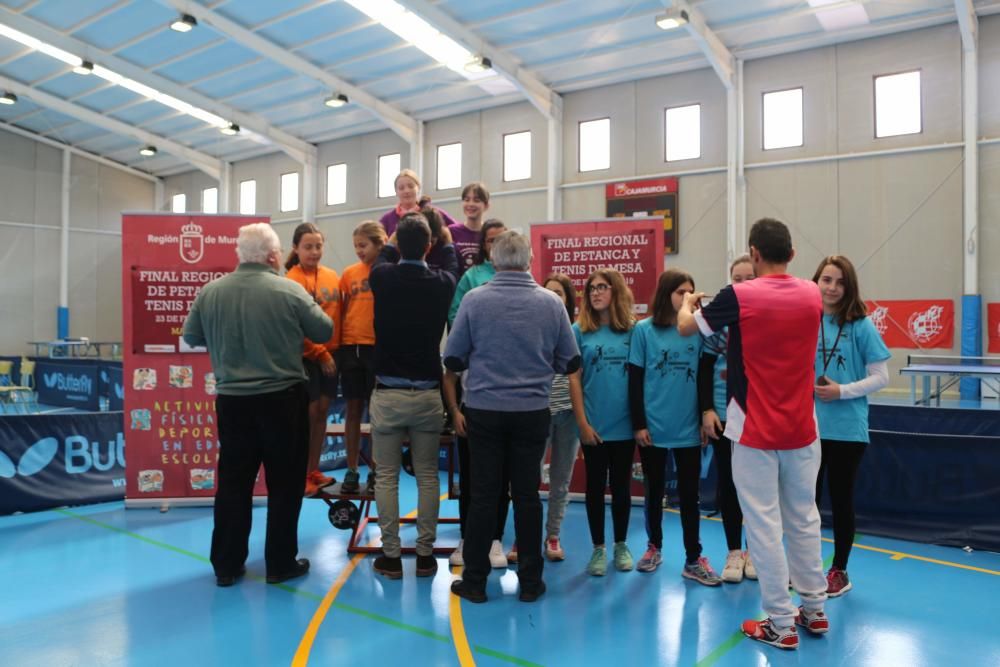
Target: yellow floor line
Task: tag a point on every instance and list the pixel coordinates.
(458, 628)
(896, 555)
(305, 645)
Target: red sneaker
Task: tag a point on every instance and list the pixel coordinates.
(837, 582)
(766, 632)
(320, 479)
(815, 622)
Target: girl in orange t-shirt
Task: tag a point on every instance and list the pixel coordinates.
(356, 356)
(323, 285)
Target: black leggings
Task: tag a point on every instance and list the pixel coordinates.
(728, 501)
(610, 459)
(841, 460)
(688, 463)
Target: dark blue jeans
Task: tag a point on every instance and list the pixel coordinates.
(514, 441)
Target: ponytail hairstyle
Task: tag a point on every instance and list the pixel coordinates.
(492, 223)
(300, 231)
(373, 231)
(434, 219)
(479, 190)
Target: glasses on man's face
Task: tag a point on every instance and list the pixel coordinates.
(599, 288)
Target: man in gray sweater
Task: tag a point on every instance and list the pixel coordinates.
(512, 335)
(253, 322)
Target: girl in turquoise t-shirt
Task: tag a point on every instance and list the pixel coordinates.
(599, 394)
(850, 364)
(663, 397)
(713, 401)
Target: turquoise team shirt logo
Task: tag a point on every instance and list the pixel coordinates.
(605, 355)
(670, 387)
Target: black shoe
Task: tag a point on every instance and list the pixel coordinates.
(427, 566)
(370, 485)
(464, 590)
(301, 567)
(391, 568)
(532, 594)
(350, 485)
(226, 580)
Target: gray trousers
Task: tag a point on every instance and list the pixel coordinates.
(564, 444)
(397, 415)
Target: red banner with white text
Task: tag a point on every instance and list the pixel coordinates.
(170, 424)
(633, 247)
(993, 327)
(916, 324)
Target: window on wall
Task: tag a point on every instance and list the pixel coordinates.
(595, 144)
(449, 166)
(336, 184)
(248, 197)
(897, 104)
(682, 132)
(783, 119)
(289, 192)
(517, 156)
(178, 203)
(388, 170)
(210, 200)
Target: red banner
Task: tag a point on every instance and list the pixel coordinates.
(633, 247)
(924, 324)
(655, 197)
(993, 330)
(171, 428)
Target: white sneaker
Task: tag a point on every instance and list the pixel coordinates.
(749, 570)
(497, 557)
(456, 556)
(733, 571)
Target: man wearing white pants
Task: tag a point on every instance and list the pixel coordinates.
(773, 327)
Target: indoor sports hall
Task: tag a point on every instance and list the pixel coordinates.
(671, 171)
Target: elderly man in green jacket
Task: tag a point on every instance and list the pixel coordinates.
(254, 322)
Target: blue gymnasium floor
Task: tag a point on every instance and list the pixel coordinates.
(100, 585)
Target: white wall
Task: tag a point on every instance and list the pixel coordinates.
(30, 208)
(899, 217)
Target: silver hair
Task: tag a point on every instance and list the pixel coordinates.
(511, 252)
(256, 242)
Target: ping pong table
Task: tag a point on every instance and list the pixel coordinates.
(947, 371)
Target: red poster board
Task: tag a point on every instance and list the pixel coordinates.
(634, 247)
(916, 324)
(170, 422)
(993, 327)
(654, 197)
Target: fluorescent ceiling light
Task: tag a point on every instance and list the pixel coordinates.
(674, 18)
(479, 64)
(147, 151)
(38, 45)
(8, 98)
(421, 34)
(82, 66)
(184, 24)
(842, 15)
(336, 101)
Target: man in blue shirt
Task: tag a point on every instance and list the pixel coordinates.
(512, 335)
